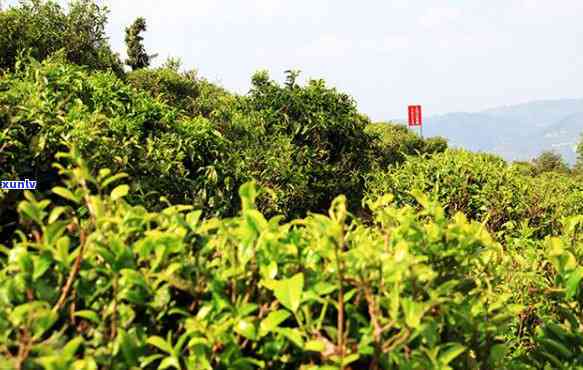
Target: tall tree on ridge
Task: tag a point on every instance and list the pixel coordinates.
(137, 56)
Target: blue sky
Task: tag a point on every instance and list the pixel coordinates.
(447, 55)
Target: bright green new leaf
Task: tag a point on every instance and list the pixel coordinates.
(288, 291)
(449, 352)
(119, 192)
(161, 344)
(66, 193)
(272, 321)
(413, 312)
(293, 335)
(246, 328)
(89, 315)
(573, 282)
(315, 346)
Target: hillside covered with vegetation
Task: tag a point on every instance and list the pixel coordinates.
(177, 225)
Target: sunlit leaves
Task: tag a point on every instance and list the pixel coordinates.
(288, 291)
(119, 192)
(173, 289)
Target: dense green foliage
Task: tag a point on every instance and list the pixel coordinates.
(416, 289)
(305, 143)
(396, 142)
(485, 188)
(41, 29)
(178, 225)
(166, 152)
(183, 90)
(549, 162)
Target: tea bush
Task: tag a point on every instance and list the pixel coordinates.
(485, 188)
(318, 131)
(396, 142)
(549, 162)
(43, 28)
(98, 283)
(183, 90)
(94, 282)
(178, 225)
(180, 137)
(46, 106)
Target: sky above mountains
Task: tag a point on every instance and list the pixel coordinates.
(449, 55)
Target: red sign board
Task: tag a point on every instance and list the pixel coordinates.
(415, 118)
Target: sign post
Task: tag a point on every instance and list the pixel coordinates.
(415, 118)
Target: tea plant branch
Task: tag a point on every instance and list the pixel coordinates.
(340, 327)
(396, 341)
(29, 294)
(82, 241)
(72, 274)
(24, 349)
(5, 134)
(114, 310)
(373, 312)
(113, 332)
(377, 330)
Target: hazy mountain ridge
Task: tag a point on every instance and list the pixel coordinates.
(516, 132)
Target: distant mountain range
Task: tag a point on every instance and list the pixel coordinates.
(516, 132)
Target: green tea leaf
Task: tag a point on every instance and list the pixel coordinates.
(246, 328)
(161, 344)
(450, 352)
(119, 192)
(66, 193)
(89, 315)
(293, 335)
(272, 321)
(315, 346)
(288, 291)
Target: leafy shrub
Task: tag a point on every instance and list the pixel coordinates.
(46, 106)
(140, 257)
(552, 197)
(396, 142)
(97, 282)
(524, 167)
(183, 90)
(42, 28)
(558, 340)
(478, 185)
(484, 188)
(549, 162)
(546, 281)
(306, 143)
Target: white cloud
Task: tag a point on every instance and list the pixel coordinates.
(542, 12)
(395, 42)
(400, 4)
(387, 43)
(327, 46)
(433, 17)
(268, 8)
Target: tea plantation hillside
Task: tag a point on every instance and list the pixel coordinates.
(177, 225)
